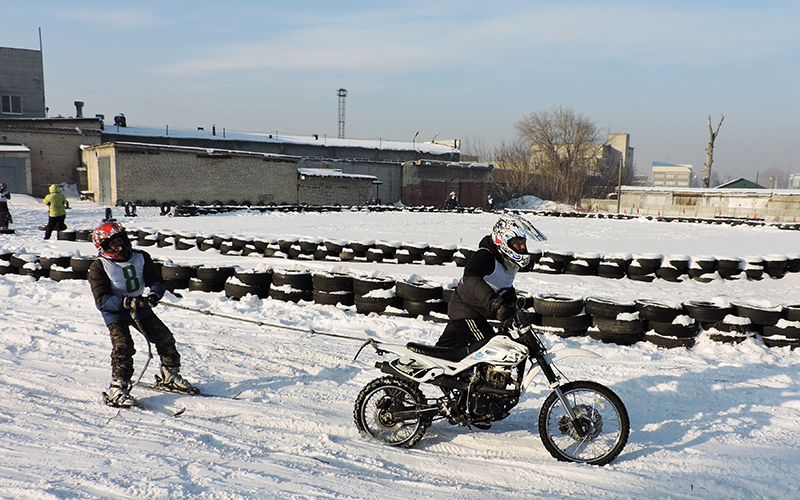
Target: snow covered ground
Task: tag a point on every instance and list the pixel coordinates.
(715, 421)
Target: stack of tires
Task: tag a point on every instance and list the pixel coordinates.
(584, 264)
(332, 288)
(409, 253)
(666, 325)
(421, 298)
(27, 264)
(730, 267)
(702, 268)
(718, 320)
(374, 294)
(614, 322)
(254, 282)
(211, 279)
(564, 316)
(177, 276)
(786, 331)
(80, 265)
(673, 267)
(614, 266)
(553, 261)
(292, 285)
(55, 265)
(644, 267)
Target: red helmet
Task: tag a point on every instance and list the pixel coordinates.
(103, 236)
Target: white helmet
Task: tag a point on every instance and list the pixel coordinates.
(511, 233)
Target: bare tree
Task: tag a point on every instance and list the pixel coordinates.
(513, 176)
(565, 148)
(710, 151)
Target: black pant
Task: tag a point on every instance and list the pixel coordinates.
(462, 332)
(56, 223)
(122, 349)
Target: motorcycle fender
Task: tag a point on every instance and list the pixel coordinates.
(554, 356)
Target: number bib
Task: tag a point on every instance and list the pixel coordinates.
(127, 278)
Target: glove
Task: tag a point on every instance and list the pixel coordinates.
(135, 302)
(501, 310)
(153, 299)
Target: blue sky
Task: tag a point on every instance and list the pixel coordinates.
(448, 69)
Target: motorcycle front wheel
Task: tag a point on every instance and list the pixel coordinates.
(388, 409)
(599, 432)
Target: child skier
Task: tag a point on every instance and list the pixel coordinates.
(118, 279)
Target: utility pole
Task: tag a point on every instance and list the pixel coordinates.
(342, 93)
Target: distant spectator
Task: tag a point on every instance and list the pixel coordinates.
(451, 202)
(490, 203)
(58, 211)
(5, 215)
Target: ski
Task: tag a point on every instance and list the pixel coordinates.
(161, 388)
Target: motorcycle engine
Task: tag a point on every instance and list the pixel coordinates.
(497, 377)
(490, 407)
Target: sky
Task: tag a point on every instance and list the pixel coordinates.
(436, 70)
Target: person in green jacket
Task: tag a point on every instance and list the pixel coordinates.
(58, 211)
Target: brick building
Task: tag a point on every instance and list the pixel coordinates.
(21, 83)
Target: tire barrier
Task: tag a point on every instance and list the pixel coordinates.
(606, 320)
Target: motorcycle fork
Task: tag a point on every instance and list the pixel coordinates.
(554, 383)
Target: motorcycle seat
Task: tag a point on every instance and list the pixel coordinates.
(447, 353)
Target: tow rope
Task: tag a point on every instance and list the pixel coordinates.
(264, 323)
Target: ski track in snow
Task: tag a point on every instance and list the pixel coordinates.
(715, 421)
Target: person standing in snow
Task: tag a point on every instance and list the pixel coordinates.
(5, 215)
(486, 290)
(118, 279)
(58, 211)
(452, 201)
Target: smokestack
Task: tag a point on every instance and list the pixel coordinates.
(78, 109)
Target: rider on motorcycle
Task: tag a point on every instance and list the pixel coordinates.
(486, 290)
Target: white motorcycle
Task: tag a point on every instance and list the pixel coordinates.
(580, 421)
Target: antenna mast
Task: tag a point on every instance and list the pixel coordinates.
(342, 93)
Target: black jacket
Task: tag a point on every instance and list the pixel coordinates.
(474, 294)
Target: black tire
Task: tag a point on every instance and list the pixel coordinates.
(329, 282)
(220, 274)
(557, 305)
(758, 315)
(610, 270)
(779, 342)
(418, 291)
(580, 268)
(258, 279)
(333, 298)
(655, 311)
(432, 259)
(424, 308)
(364, 285)
(239, 290)
(81, 264)
(178, 272)
(674, 329)
(366, 304)
(620, 327)
(668, 342)
(615, 338)
(290, 295)
(379, 399)
(792, 312)
(604, 417)
(791, 332)
(669, 273)
(580, 322)
(65, 274)
(707, 312)
(607, 308)
(60, 261)
(299, 280)
(206, 286)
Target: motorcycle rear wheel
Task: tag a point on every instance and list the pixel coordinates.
(600, 413)
(377, 404)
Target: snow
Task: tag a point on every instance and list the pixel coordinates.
(714, 421)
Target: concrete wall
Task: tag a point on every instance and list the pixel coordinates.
(778, 206)
(55, 147)
(333, 190)
(149, 173)
(388, 174)
(22, 75)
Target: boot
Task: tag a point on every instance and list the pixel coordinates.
(172, 380)
(118, 394)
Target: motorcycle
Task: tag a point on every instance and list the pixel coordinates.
(580, 421)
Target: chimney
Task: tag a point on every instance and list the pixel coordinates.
(78, 109)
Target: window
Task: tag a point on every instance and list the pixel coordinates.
(11, 105)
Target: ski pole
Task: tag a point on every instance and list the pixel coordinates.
(139, 327)
(264, 323)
